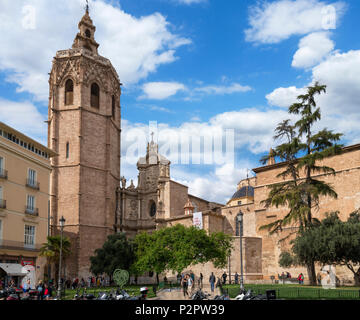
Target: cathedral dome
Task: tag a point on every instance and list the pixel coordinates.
(246, 191)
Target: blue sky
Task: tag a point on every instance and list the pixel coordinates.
(196, 67)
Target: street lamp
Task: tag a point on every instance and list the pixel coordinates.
(240, 220)
(62, 223)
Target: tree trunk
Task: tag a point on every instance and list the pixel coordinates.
(357, 278)
(311, 273)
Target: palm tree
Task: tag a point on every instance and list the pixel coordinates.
(51, 251)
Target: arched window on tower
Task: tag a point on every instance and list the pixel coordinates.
(69, 92)
(95, 96)
(88, 33)
(113, 107)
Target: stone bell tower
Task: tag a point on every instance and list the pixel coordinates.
(84, 129)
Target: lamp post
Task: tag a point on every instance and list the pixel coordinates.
(62, 223)
(240, 220)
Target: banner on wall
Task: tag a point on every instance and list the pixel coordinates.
(197, 220)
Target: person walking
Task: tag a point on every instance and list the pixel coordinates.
(40, 290)
(190, 283)
(27, 286)
(301, 278)
(236, 278)
(212, 280)
(224, 276)
(184, 283)
(201, 279)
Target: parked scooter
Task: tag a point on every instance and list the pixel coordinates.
(250, 296)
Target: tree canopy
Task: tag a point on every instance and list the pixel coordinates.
(331, 242)
(176, 248)
(116, 253)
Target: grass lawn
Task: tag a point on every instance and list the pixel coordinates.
(299, 292)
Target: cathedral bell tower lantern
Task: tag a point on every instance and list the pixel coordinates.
(85, 39)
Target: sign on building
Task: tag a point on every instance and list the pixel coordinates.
(197, 220)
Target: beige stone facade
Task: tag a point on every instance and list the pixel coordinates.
(24, 199)
(84, 129)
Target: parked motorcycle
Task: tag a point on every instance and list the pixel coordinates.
(250, 296)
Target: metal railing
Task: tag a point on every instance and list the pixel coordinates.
(3, 173)
(32, 184)
(32, 211)
(300, 293)
(2, 204)
(18, 245)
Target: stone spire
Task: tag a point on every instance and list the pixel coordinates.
(271, 157)
(189, 207)
(85, 38)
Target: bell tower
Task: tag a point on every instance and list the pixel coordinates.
(84, 129)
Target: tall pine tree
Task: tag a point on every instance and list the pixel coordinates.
(303, 151)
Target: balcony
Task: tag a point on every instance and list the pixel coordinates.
(32, 184)
(3, 173)
(2, 204)
(18, 245)
(32, 211)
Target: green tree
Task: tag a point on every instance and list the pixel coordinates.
(51, 251)
(286, 260)
(303, 151)
(176, 248)
(332, 242)
(116, 253)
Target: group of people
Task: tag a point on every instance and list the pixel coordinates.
(287, 275)
(90, 283)
(187, 282)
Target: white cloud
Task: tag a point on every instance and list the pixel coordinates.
(312, 49)
(272, 22)
(191, 1)
(161, 90)
(136, 46)
(340, 104)
(24, 117)
(221, 90)
(284, 97)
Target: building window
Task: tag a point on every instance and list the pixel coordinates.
(152, 208)
(1, 165)
(239, 203)
(2, 201)
(30, 203)
(29, 240)
(67, 150)
(69, 92)
(113, 107)
(1, 232)
(88, 33)
(95, 96)
(32, 177)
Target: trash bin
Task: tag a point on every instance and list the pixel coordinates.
(271, 294)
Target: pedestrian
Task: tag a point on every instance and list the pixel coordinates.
(51, 289)
(82, 283)
(212, 280)
(184, 283)
(46, 292)
(27, 286)
(40, 290)
(190, 283)
(236, 278)
(301, 278)
(201, 279)
(224, 276)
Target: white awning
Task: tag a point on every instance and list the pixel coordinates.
(13, 269)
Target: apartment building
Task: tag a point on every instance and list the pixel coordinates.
(24, 204)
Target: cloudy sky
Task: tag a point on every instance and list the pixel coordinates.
(199, 68)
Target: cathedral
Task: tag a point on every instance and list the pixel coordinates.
(87, 189)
